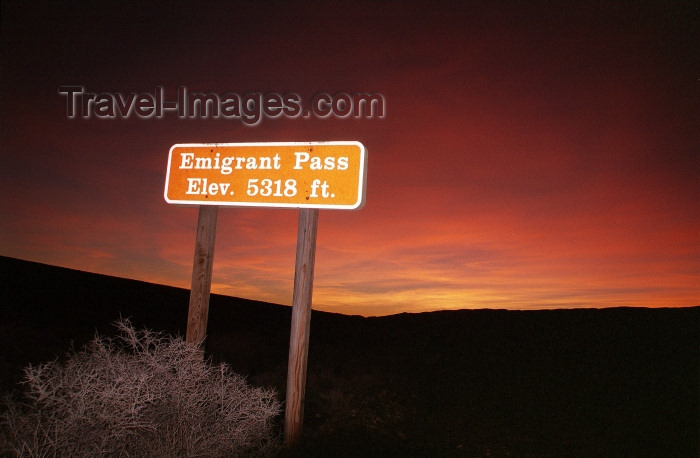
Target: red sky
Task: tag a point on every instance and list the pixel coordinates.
(532, 155)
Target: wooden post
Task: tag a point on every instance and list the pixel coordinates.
(301, 320)
(201, 275)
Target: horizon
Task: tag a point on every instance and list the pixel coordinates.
(520, 155)
(187, 289)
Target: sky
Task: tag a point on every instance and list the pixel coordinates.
(530, 154)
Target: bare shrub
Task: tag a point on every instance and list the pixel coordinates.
(138, 394)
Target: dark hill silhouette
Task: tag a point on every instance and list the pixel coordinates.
(589, 382)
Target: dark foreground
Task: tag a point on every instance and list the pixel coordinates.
(612, 382)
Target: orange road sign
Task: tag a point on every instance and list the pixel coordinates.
(298, 175)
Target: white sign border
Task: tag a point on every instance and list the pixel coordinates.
(362, 185)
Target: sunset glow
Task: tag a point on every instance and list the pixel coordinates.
(531, 155)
